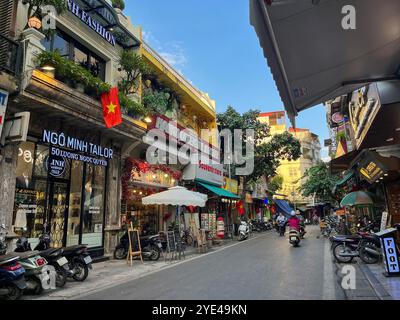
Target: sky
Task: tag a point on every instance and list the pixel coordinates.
(212, 44)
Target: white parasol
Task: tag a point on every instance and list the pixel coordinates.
(177, 196)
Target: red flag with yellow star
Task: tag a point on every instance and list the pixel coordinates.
(111, 108)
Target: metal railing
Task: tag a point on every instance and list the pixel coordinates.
(180, 78)
(9, 55)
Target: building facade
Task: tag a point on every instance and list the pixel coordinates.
(292, 172)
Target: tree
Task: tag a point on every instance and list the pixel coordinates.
(275, 184)
(134, 67)
(319, 183)
(268, 151)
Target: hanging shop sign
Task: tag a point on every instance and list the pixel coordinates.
(91, 22)
(89, 152)
(231, 185)
(371, 170)
(212, 173)
(182, 135)
(3, 107)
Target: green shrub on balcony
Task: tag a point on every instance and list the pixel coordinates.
(69, 71)
(120, 4)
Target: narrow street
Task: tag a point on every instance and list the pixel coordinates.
(266, 267)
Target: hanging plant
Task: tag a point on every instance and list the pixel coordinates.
(119, 4)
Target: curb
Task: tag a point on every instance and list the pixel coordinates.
(378, 288)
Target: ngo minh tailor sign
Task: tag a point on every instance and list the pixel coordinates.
(91, 152)
(92, 23)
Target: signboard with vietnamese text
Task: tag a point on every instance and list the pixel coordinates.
(212, 173)
(371, 169)
(3, 107)
(231, 185)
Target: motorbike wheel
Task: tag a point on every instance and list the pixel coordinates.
(339, 248)
(240, 237)
(155, 254)
(81, 271)
(366, 256)
(39, 289)
(120, 253)
(14, 292)
(61, 279)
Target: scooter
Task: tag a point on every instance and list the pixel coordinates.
(78, 258)
(151, 247)
(33, 264)
(294, 237)
(244, 231)
(12, 281)
(54, 257)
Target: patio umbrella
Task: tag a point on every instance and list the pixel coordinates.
(356, 198)
(177, 196)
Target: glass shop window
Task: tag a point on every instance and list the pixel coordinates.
(30, 195)
(93, 212)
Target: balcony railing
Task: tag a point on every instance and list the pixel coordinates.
(9, 55)
(181, 79)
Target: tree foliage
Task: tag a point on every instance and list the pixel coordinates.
(268, 151)
(319, 182)
(275, 184)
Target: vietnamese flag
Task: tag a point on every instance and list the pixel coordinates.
(111, 108)
(240, 207)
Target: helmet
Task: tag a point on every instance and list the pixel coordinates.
(293, 213)
(23, 245)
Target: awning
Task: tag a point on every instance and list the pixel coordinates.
(343, 163)
(346, 178)
(219, 192)
(314, 59)
(283, 206)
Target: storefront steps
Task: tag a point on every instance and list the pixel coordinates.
(370, 283)
(110, 273)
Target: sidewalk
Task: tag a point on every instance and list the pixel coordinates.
(113, 272)
(371, 284)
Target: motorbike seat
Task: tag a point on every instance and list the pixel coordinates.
(7, 258)
(74, 248)
(49, 252)
(27, 254)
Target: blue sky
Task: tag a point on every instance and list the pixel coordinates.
(212, 43)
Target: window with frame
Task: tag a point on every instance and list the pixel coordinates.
(73, 50)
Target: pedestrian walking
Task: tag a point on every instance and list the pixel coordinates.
(281, 220)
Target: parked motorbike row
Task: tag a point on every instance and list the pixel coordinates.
(27, 271)
(247, 228)
(364, 244)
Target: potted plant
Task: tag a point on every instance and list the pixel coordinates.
(118, 4)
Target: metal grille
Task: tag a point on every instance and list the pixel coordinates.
(9, 55)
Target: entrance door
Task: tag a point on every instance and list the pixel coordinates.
(58, 205)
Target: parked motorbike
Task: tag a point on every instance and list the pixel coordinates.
(54, 257)
(294, 237)
(365, 245)
(302, 230)
(244, 231)
(12, 280)
(33, 264)
(151, 247)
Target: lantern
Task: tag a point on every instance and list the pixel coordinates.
(34, 22)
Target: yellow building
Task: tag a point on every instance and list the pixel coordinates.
(195, 109)
(293, 171)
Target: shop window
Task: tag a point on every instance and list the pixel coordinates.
(73, 50)
(30, 195)
(75, 201)
(93, 206)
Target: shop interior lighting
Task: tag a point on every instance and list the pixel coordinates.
(166, 175)
(147, 120)
(389, 140)
(386, 174)
(397, 129)
(48, 67)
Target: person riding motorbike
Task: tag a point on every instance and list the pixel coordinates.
(294, 221)
(281, 221)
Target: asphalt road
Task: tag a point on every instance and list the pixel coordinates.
(266, 267)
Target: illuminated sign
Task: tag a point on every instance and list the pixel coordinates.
(371, 172)
(92, 23)
(392, 262)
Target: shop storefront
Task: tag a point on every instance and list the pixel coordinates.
(61, 189)
(139, 180)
